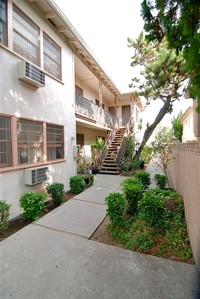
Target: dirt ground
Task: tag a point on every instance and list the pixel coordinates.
(102, 235)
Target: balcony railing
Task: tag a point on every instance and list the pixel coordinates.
(90, 110)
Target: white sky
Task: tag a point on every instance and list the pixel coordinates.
(105, 26)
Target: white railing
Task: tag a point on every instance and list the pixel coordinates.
(90, 110)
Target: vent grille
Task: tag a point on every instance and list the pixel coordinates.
(35, 176)
(31, 74)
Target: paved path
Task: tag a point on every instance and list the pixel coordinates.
(153, 169)
(54, 258)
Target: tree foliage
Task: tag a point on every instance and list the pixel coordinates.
(162, 148)
(162, 75)
(177, 126)
(178, 21)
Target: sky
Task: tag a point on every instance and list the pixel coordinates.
(105, 26)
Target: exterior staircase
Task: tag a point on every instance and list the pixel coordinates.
(110, 164)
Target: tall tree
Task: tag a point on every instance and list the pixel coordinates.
(177, 126)
(179, 22)
(162, 75)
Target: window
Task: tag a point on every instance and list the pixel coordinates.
(3, 22)
(29, 141)
(52, 57)
(25, 37)
(5, 141)
(55, 145)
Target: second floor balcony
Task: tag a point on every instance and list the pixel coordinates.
(91, 111)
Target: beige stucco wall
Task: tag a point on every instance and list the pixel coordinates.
(53, 103)
(188, 124)
(184, 171)
(90, 135)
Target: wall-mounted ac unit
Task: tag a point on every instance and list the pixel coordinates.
(31, 74)
(33, 176)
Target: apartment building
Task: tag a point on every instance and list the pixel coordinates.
(54, 96)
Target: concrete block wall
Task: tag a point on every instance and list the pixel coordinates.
(184, 173)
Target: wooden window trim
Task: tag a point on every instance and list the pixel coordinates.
(14, 146)
(27, 39)
(9, 46)
(59, 77)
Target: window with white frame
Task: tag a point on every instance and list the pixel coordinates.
(3, 22)
(25, 37)
(52, 57)
(5, 142)
(29, 141)
(55, 148)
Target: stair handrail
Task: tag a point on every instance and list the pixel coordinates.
(122, 145)
(107, 144)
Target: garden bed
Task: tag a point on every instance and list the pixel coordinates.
(149, 221)
(20, 222)
(160, 249)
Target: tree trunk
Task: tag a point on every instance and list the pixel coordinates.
(149, 130)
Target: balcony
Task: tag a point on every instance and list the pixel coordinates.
(89, 110)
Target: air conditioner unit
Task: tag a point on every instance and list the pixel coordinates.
(31, 74)
(33, 176)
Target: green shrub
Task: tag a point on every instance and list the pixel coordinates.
(132, 189)
(91, 180)
(161, 180)
(77, 184)
(57, 192)
(115, 207)
(144, 178)
(166, 193)
(4, 215)
(137, 164)
(152, 210)
(32, 204)
(146, 154)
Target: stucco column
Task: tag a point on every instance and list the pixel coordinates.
(115, 106)
(100, 94)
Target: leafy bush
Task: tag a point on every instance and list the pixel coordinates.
(144, 178)
(115, 207)
(166, 193)
(152, 209)
(132, 189)
(4, 215)
(161, 180)
(32, 204)
(146, 154)
(91, 180)
(137, 164)
(77, 184)
(57, 192)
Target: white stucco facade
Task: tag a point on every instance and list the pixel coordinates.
(187, 120)
(54, 103)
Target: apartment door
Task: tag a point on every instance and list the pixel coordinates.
(126, 114)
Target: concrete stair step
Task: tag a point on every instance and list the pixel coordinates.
(108, 172)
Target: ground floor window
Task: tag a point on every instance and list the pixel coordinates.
(25, 141)
(5, 141)
(29, 141)
(55, 148)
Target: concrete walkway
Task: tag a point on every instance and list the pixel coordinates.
(54, 258)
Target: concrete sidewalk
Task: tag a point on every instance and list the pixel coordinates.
(53, 258)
